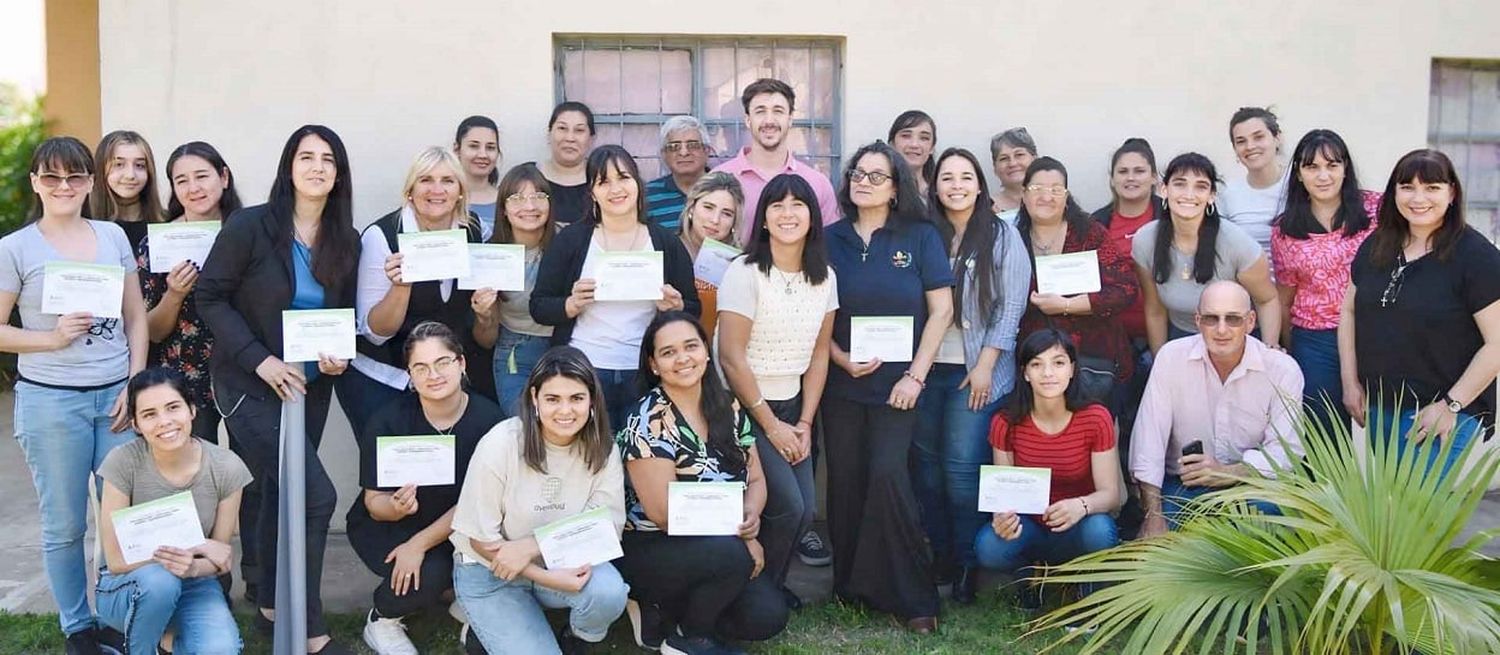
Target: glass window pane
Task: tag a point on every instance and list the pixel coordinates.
(721, 89)
(724, 138)
(640, 81)
(609, 133)
(1453, 107)
(1486, 109)
(601, 80)
(752, 64)
(642, 140)
(677, 82)
(572, 66)
(651, 169)
(794, 68)
(823, 82)
(1482, 183)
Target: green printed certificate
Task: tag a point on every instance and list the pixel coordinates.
(588, 538)
(170, 521)
(1015, 489)
(705, 508)
(425, 460)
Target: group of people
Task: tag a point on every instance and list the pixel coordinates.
(1222, 310)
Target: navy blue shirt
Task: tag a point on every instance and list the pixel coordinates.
(890, 278)
(664, 202)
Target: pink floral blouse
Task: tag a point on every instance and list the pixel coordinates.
(1318, 267)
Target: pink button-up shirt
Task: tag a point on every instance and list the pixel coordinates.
(753, 183)
(1241, 419)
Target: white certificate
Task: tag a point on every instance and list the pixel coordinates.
(436, 255)
(425, 460)
(887, 338)
(171, 521)
(632, 275)
(588, 538)
(498, 266)
(713, 259)
(1070, 274)
(705, 508)
(68, 287)
(1015, 489)
(174, 243)
(307, 332)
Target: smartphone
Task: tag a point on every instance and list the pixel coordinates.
(1194, 447)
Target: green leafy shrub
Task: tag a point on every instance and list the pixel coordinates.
(21, 130)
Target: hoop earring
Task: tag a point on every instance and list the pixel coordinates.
(1164, 204)
(1213, 207)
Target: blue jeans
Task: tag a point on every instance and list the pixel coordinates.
(1038, 543)
(1317, 354)
(143, 603)
(791, 496)
(1466, 429)
(1175, 497)
(620, 395)
(515, 355)
(65, 435)
(950, 444)
(508, 616)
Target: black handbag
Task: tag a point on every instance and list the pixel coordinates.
(1096, 378)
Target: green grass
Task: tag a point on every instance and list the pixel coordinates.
(990, 626)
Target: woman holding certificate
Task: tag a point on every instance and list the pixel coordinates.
(161, 568)
(555, 465)
(1049, 425)
(711, 211)
(409, 265)
(605, 277)
(82, 335)
(694, 492)
(895, 303)
(299, 252)
(1175, 259)
(400, 524)
(974, 368)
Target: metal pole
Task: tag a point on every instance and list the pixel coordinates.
(291, 542)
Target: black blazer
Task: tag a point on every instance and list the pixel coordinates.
(247, 281)
(562, 265)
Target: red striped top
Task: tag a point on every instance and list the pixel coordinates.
(1067, 453)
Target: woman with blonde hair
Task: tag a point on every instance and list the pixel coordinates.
(388, 307)
(125, 184)
(711, 211)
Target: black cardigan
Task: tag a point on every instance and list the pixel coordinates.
(247, 281)
(562, 265)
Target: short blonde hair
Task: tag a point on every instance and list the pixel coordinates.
(425, 162)
(709, 183)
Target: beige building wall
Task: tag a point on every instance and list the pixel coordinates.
(392, 76)
(72, 46)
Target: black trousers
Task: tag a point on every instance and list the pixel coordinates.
(256, 424)
(373, 540)
(880, 554)
(790, 495)
(703, 584)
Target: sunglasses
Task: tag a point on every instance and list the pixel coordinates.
(1212, 320)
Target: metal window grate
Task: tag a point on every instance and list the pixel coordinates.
(1464, 122)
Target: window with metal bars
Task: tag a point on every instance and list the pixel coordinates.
(1463, 120)
(634, 84)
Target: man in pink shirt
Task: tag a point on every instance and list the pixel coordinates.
(768, 116)
(1237, 396)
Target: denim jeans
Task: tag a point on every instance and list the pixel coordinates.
(621, 394)
(1175, 497)
(1317, 354)
(508, 616)
(1466, 429)
(65, 435)
(1039, 544)
(515, 355)
(791, 497)
(951, 442)
(145, 602)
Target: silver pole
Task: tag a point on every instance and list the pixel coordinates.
(291, 542)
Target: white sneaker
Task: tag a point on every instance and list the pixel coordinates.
(387, 636)
(456, 610)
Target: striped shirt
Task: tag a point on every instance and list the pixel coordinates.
(1068, 453)
(664, 202)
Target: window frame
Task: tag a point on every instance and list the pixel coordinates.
(1439, 138)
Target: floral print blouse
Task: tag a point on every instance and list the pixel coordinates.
(186, 350)
(656, 429)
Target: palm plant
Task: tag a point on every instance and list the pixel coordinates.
(1364, 559)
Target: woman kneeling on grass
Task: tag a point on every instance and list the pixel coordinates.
(176, 590)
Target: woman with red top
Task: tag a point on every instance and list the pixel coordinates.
(1051, 223)
(1049, 426)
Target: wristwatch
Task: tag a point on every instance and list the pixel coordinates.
(1453, 405)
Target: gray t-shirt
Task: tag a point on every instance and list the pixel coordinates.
(515, 309)
(220, 473)
(97, 358)
(1236, 251)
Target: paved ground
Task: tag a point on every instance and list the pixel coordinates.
(346, 582)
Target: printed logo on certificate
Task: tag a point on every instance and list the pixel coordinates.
(712, 260)
(1017, 489)
(182, 241)
(697, 509)
(631, 275)
(886, 338)
(589, 538)
(307, 332)
(170, 521)
(421, 460)
(1068, 274)
(498, 266)
(97, 289)
(435, 255)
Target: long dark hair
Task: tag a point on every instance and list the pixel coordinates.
(976, 251)
(480, 122)
(154, 376)
(1135, 145)
(912, 118)
(1298, 221)
(229, 202)
(1074, 215)
(597, 169)
(1390, 235)
(511, 183)
(715, 401)
(814, 252)
(1023, 399)
(102, 201)
(336, 252)
(1208, 230)
(595, 438)
(907, 204)
(62, 154)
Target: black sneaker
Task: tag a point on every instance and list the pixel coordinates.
(83, 642)
(570, 644)
(110, 641)
(792, 601)
(680, 645)
(470, 642)
(645, 624)
(811, 551)
(1028, 596)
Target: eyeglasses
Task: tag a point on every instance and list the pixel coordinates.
(519, 198)
(442, 366)
(1212, 320)
(76, 181)
(683, 146)
(1393, 288)
(876, 178)
(1055, 190)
